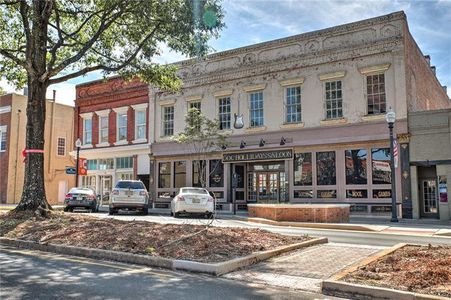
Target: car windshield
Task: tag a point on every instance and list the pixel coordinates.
(194, 191)
(134, 185)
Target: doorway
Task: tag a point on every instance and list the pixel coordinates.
(428, 192)
(268, 186)
(266, 183)
(106, 186)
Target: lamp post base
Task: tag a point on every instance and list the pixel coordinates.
(394, 220)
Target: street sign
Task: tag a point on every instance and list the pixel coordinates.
(71, 170)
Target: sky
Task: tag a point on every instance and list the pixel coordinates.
(254, 21)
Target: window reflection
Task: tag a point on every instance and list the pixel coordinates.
(179, 174)
(381, 165)
(216, 173)
(164, 172)
(303, 169)
(325, 168)
(355, 163)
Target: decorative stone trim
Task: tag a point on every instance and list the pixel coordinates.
(139, 141)
(166, 102)
(141, 106)
(193, 98)
(120, 110)
(292, 81)
(103, 113)
(5, 109)
(374, 69)
(255, 129)
(292, 125)
(333, 122)
(223, 93)
(403, 138)
(120, 143)
(87, 115)
(333, 75)
(252, 88)
(373, 117)
(103, 145)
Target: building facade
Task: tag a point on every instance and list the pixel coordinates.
(313, 108)
(430, 165)
(112, 121)
(58, 143)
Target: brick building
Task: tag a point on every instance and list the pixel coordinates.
(111, 120)
(58, 140)
(314, 110)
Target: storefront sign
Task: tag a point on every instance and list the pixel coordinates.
(260, 155)
(357, 194)
(381, 193)
(327, 194)
(442, 189)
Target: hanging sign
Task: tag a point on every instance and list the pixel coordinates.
(82, 166)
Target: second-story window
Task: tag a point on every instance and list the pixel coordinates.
(334, 100)
(168, 120)
(256, 109)
(103, 129)
(195, 104)
(3, 138)
(375, 91)
(224, 113)
(87, 131)
(61, 146)
(122, 126)
(293, 105)
(140, 124)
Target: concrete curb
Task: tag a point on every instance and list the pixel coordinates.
(334, 287)
(174, 264)
(336, 226)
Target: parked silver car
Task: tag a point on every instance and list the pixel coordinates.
(129, 195)
(79, 197)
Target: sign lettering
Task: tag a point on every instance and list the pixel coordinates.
(261, 155)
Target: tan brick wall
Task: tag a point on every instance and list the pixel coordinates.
(301, 214)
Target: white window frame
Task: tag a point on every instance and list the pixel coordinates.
(218, 99)
(103, 114)
(140, 108)
(262, 109)
(193, 103)
(58, 146)
(84, 118)
(334, 80)
(294, 105)
(120, 111)
(3, 130)
(163, 123)
(367, 94)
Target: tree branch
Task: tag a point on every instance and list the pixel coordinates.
(14, 58)
(26, 25)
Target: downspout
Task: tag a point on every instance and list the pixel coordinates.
(17, 154)
(49, 160)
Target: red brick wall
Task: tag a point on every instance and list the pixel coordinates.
(113, 93)
(424, 91)
(305, 213)
(5, 119)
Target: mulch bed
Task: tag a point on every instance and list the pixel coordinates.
(140, 237)
(420, 269)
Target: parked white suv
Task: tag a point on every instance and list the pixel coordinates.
(129, 195)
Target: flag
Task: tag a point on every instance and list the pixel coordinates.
(395, 152)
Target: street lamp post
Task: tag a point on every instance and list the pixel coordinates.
(391, 118)
(77, 145)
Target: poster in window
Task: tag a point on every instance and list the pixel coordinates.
(442, 189)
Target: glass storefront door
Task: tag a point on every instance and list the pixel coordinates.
(266, 183)
(267, 186)
(106, 185)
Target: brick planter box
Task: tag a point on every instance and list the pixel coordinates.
(318, 213)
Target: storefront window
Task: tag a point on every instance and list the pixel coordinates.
(164, 175)
(92, 164)
(355, 163)
(199, 168)
(216, 173)
(89, 181)
(106, 164)
(239, 170)
(124, 162)
(356, 194)
(125, 176)
(381, 165)
(303, 169)
(179, 174)
(329, 194)
(325, 168)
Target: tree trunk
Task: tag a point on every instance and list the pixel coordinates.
(33, 195)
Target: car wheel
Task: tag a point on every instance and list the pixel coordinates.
(145, 210)
(111, 211)
(171, 213)
(209, 215)
(176, 215)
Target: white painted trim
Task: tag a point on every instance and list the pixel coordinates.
(100, 129)
(374, 69)
(120, 110)
(103, 113)
(255, 129)
(223, 93)
(194, 98)
(105, 144)
(292, 125)
(139, 141)
(142, 109)
(333, 75)
(87, 115)
(255, 87)
(121, 142)
(333, 122)
(112, 152)
(292, 81)
(87, 146)
(142, 106)
(167, 102)
(5, 109)
(3, 128)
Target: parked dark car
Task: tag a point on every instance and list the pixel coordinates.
(79, 197)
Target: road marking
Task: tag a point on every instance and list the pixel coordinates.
(128, 270)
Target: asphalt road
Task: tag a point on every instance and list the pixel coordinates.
(337, 236)
(28, 274)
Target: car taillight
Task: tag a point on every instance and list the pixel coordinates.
(68, 196)
(180, 198)
(210, 199)
(115, 192)
(92, 197)
(143, 193)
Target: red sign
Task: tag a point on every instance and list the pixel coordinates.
(82, 167)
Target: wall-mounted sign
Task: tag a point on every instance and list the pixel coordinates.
(260, 155)
(71, 170)
(381, 193)
(442, 189)
(327, 194)
(357, 194)
(303, 194)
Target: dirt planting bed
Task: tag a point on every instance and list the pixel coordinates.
(420, 269)
(212, 245)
